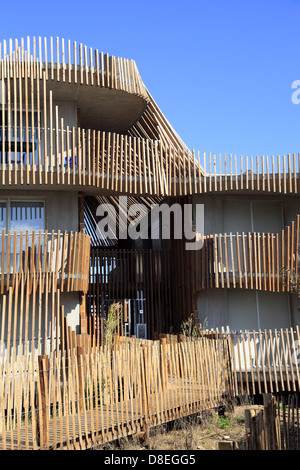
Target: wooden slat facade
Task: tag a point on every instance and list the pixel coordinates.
(38, 256)
(255, 261)
(89, 397)
(138, 277)
(85, 396)
(77, 396)
(150, 159)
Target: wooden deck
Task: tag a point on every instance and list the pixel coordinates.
(107, 423)
(81, 400)
(89, 396)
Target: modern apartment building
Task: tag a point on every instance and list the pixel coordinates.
(79, 130)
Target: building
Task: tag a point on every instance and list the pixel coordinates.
(80, 130)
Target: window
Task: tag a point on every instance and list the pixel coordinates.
(18, 142)
(26, 215)
(20, 217)
(253, 310)
(252, 216)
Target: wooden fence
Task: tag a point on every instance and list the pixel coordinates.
(264, 361)
(80, 396)
(288, 412)
(275, 425)
(91, 396)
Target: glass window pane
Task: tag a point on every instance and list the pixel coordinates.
(274, 310)
(267, 217)
(236, 216)
(26, 216)
(242, 310)
(2, 215)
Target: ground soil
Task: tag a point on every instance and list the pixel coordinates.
(195, 433)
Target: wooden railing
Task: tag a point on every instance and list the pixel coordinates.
(153, 162)
(66, 61)
(89, 397)
(264, 361)
(80, 397)
(260, 261)
(46, 257)
(124, 164)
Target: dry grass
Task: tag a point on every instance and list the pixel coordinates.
(195, 433)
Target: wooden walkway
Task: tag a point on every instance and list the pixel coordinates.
(94, 396)
(95, 427)
(86, 397)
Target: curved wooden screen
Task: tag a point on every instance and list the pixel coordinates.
(148, 159)
(57, 260)
(263, 261)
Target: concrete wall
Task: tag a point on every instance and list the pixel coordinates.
(67, 110)
(61, 213)
(212, 308)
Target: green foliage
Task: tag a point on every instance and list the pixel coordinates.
(111, 322)
(224, 422)
(190, 329)
(291, 280)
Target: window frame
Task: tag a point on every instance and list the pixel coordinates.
(32, 159)
(8, 200)
(251, 202)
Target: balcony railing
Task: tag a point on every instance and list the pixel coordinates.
(38, 148)
(125, 164)
(262, 261)
(46, 257)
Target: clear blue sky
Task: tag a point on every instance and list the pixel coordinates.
(220, 70)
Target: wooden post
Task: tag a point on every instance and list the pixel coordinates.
(271, 422)
(80, 379)
(227, 445)
(116, 342)
(163, 342)
(145, 394)
(180, 338)
(43, 410)
(262, 428)
(83, 317)
(81, 212)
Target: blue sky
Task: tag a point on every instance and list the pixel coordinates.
(220, 70)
